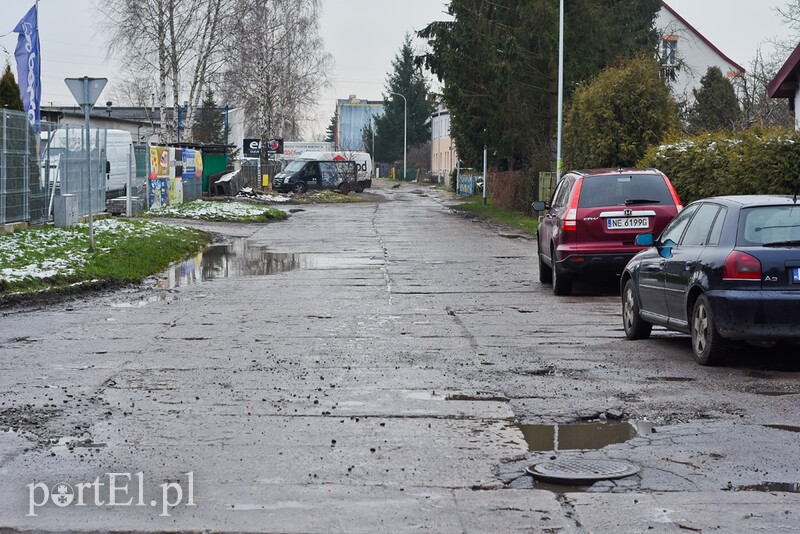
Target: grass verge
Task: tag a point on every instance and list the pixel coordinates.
(57, 260)
(515, 219)
(241, 212)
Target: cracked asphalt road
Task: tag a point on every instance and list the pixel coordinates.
(376, 382)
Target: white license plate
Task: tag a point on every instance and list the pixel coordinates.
(796, 275)
(628, 223)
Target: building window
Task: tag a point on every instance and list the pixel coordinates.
(669, 51)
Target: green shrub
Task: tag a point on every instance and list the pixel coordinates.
(744, 163)
(618, 115)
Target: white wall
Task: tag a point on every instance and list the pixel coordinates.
(695, 56)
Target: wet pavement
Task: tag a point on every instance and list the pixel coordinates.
(389, 365)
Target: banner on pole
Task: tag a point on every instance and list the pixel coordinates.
(29, 66)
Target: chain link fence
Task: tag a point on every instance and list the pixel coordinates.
(23, 197)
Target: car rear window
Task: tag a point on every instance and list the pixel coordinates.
(624, 189)
(768, 224)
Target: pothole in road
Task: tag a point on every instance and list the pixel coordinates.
(242, 258)
(787, 487)
(227, 261)
(581, 436)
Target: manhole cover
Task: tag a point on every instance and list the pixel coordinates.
(578, 470)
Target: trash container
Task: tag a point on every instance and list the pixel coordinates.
(65, 210)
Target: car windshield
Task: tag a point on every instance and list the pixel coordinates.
(624, 190)
(769, 225)
(295, 166)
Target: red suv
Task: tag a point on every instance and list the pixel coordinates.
(591, 223)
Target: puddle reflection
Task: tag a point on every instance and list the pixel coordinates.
(227, 261)
(581, 436)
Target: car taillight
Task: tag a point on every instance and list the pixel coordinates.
(675, 197)
(741, 266)
(571, 218)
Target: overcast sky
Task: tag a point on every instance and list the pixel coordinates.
(362, 35)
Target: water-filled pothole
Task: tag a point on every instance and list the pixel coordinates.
(227, 261)
(788, 487)
(242, 258)
(582, 436)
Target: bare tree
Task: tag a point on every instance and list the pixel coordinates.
(176, 42)
(277, 64)
(758, 109)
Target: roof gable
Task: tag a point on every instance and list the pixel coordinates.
(784, 85)
(702, 38)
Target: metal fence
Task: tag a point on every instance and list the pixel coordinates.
(74, 174)
(23, 196)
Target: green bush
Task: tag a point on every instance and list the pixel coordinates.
(616, 117)
(744, 163)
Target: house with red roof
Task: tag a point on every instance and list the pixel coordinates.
(786, 83)
(686, 54)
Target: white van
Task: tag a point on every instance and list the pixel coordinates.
(119, 144)
(362, 159)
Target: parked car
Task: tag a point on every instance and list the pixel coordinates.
(301, 175)
(725, 269)
(592, 220)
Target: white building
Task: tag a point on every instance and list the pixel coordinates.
(686, 54)
(443, 149)
(786, 84)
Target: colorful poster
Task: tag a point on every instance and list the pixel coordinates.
(157, 193)
(198, 164)
(159, 162)
(188, 157)
(174, 191)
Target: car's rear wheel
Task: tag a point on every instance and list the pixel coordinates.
(707, 345)
(562, 283)
(545, 272)
(635, 327)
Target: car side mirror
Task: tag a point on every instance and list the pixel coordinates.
(665, 248)
(539, 206)
(645, 240)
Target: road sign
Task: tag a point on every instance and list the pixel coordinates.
(86, 90)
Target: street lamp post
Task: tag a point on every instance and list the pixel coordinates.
(405, 130)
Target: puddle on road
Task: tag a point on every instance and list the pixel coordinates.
(787, 487)
(242, 258)
(581, 436)
(227, 261)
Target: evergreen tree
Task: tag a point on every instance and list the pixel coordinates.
(9, 91)
(407, 80)
(614, 119)
(498, 62)
(716, 106)
(330, 132)
(209, 122)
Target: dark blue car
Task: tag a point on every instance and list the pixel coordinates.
(725, 269)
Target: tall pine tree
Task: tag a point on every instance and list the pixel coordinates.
(407, 80)
(209, 122)
(498, 62)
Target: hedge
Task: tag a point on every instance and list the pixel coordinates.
(743, 163)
